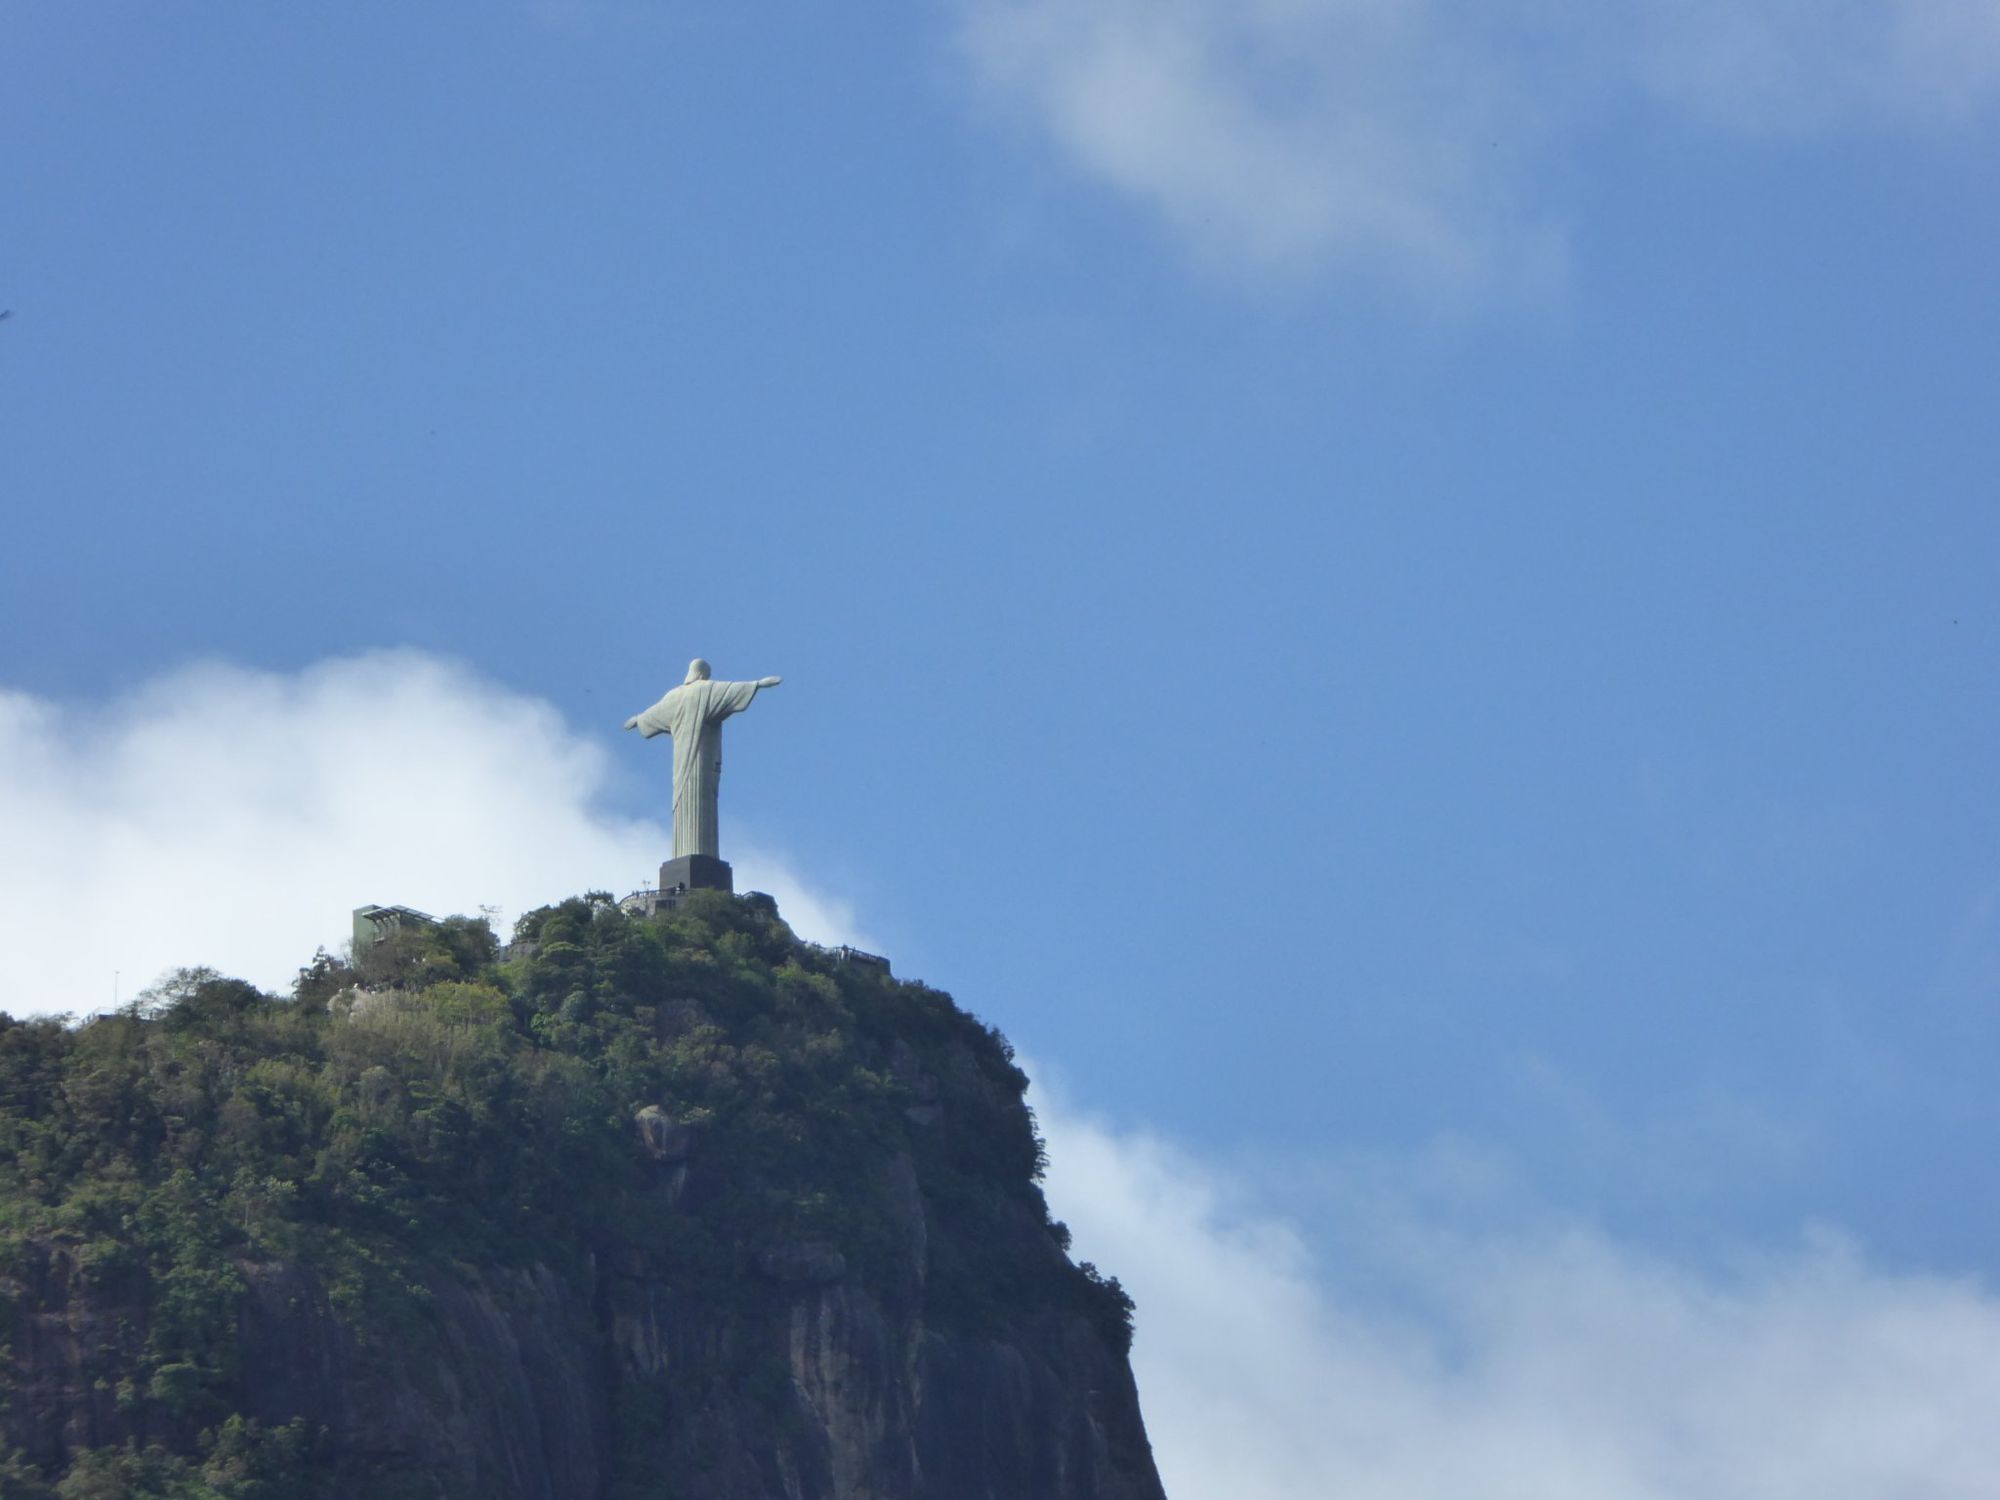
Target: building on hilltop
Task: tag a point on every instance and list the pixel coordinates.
(376, 924)
(846, 955)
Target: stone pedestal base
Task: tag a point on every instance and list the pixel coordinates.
(691, 872)
(695, 872)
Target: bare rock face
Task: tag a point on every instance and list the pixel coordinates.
(663, 1137)
(530, 1385)
(803, 1263)
(503, 1393)
(824, 1389)
(517, 1383)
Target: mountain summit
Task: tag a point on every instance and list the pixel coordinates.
(643, 1206)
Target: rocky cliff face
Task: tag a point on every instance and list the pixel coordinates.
(516, 1388)
(942, 1348)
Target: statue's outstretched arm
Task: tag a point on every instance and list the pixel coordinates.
(633, 722)
(764, 682)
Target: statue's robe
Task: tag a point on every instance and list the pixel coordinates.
(693, 713)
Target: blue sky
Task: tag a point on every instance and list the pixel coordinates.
(1402, 593)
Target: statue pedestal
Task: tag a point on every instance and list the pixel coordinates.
(691, 872)
(695, 872)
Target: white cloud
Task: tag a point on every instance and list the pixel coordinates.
(1275, 133)
(1287, 136)
(1547, 1363)
(1792, 66)
(228, 817)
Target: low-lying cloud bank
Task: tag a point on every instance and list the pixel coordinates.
(1402, 136)
(1553, 1364)
(233, 818)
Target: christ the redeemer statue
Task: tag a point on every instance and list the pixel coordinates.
(693, 713)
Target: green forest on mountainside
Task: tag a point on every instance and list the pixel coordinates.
(432, 1104)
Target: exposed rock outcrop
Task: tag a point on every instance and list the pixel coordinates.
(529, 1385)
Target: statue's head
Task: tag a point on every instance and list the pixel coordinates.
(697, 670)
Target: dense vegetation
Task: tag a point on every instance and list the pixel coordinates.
(431, 1103)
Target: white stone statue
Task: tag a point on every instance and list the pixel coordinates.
(693, 713)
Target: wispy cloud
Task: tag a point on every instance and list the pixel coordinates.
(1795, 66)
(1547, 1362)
(1286, 137)
(1276, 135)
(229, 817)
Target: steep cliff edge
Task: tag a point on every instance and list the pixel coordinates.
(673, 1207)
